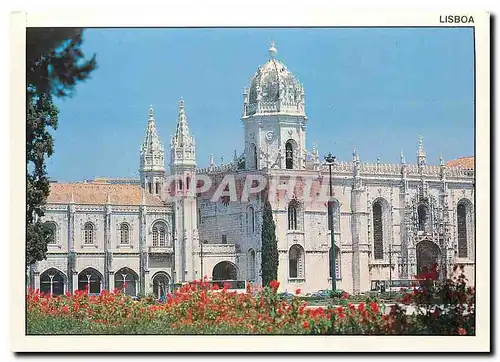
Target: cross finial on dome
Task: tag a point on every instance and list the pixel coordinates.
(273, 50)
(181, 103)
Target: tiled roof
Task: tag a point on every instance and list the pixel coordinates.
(463, 162)
(96, 193)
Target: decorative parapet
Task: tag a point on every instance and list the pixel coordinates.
(217, 169)
(395, 169)
(228, 249)
(161, 250)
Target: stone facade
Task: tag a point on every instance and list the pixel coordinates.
(390, 221)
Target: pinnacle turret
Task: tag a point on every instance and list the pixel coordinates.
(152, 158)
(182, 145)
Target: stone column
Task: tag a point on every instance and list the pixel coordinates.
(36, 282)
(111, 278)
(74, 279)
(107, 242)
(355, 230)
(142, 249)
(71, 245)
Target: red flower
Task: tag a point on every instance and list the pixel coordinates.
(274, 284)
(374, 307)
(124, 285)
(361, 307)
(306, 325)
(461, 331)
(298, 291)
(345, 295)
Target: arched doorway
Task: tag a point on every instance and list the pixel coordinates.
(52, 282)
(161, 285)
(427, 256)
(126, 281)
(91, 279)
(225, 270)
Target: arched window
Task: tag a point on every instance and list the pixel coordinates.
(125, 281)
(252, 165)
(180, 185)
(88, 233)
(150, 187)
(52, 282)
(51, 228)
(292, 215)
(462, 230)
(336, 264)
(188, 181)
(90, 280)
(296, 262)
(155, 236)
(422, 217)
(161, 285)
(124, 233)
(289, 155)
(250, 220)
(159, 234)
(157, 188)
(378, 231)
(251, 265)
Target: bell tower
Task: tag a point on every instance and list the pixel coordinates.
(183, 170)
(274, 118)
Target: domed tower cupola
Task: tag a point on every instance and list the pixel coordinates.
(274, 117)
(274, 89)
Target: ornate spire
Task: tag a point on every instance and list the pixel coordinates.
(421, 152)
(272, 50)
(152, 148)
(402, 158)
(182, 132)
(182, 144)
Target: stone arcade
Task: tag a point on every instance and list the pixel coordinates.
(132, 234)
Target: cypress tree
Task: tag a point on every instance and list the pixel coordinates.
(269, 246)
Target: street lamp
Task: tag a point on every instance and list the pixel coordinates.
(330, 160)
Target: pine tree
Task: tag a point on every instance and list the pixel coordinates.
(55, 63)
(269, 246)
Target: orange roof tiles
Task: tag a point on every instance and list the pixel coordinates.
(97, 194)
(463, 162)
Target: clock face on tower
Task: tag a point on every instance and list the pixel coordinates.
(270, 136)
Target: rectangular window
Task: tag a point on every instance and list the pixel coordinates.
(224, 239)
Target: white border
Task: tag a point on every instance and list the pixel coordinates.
(247, 14)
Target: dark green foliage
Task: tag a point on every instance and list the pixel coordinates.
(55, 62)
(54, 65)
(269, 246)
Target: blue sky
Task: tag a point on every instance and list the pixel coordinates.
(375, 90)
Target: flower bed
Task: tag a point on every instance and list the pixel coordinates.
(447, 308)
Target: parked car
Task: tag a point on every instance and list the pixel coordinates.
(323, 293)
(285, 295)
